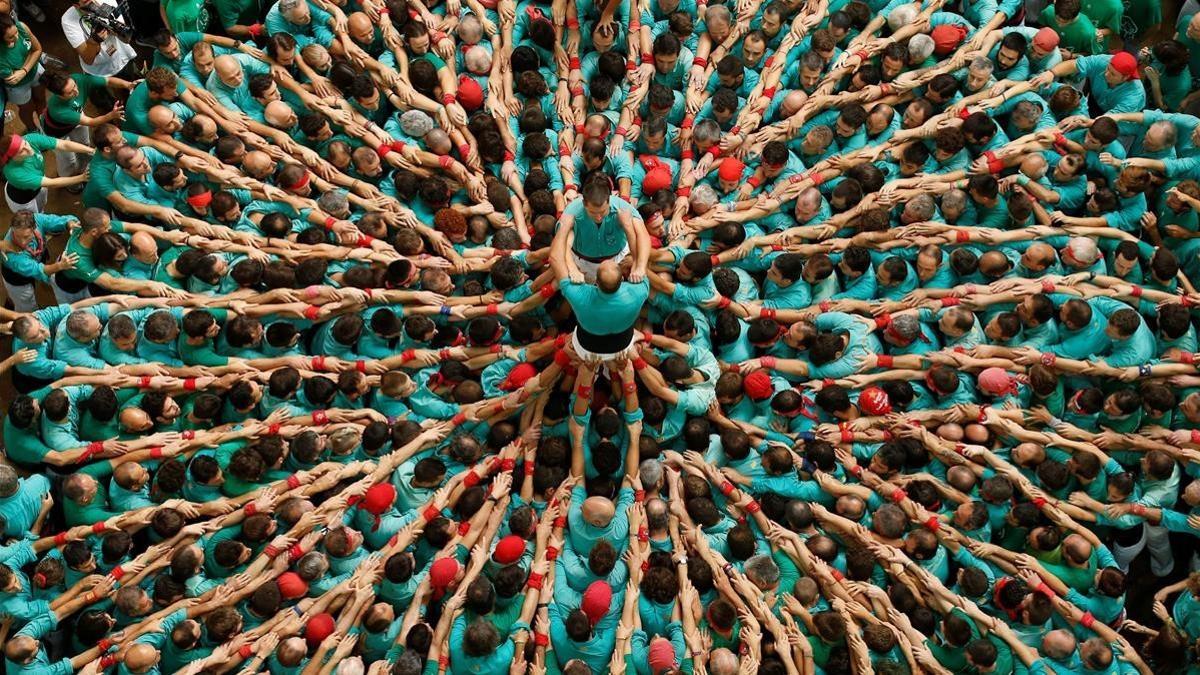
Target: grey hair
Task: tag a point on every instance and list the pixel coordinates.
(288, 5)
(707, 130)
(954, 199)
(902, 16)
(1084, 250)
(312, 566)
(351, 666)
(1167, 129)
(920, 47)
(651, 472)
(77, 323)
(334, 202)
(9, 482)
(922, 206)
(762, 570)
(982, 63)
(704, 193)
(718, 13)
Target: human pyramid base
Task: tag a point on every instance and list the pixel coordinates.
(666, 337)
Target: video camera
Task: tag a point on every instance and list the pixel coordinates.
(108, 15)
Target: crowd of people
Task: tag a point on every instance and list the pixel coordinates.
(488, 337)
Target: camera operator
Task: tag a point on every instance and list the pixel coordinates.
(101, 51)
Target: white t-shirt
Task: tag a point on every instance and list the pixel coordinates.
(114, 53)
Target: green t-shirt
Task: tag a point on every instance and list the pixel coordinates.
(1079, 36)
(27, 173)
(604, 239)
(13, 58)
(186, 15)
(237, 12)
(603, 313)
(85, 269)
(66, 112)
(137, 107)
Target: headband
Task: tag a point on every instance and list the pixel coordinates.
(300, 182)
(13, 146)
(201, 200)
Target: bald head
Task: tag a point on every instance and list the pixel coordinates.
(163, 119)
(143, 247)
(135, 419)
(951, 431)
(792, 103)
(1034, 165)
(961, 478)
(228, 70)
(258, 164)
(1058, 644)
(608, 276)
(1076, 549)
(1039, 256)
(478, 60)
(21, 649)
(291, 651)
(722, 662)
(279, 115)
(438, 141)
(140, 657)
(598, 511)
(360, 28)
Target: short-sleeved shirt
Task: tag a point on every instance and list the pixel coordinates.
(27, 173)
(598, 240)
(603, 313)
(66, 112)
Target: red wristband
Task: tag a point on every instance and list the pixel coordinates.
(885, 360)
(156, 452)
(60, 539)
(726, 488)
(951, 301)
(459, 419)
(430, 513)
(320, 417)
(311, 312)
(639, 363)
(933, 524)
(98, 527)
(899, 495)
(768, 362)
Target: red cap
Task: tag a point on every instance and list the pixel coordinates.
(731, 169)
(946, 38)
(661, 655)
(1046, 39)
(379, 498)
(658, 178)
(291, 586)
(1125, 64)
(442, 572)
(757, 386)
(596, 601)
(509, 550)
(874, 401)
(319, 627)
(470, 94)
(518, 376)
